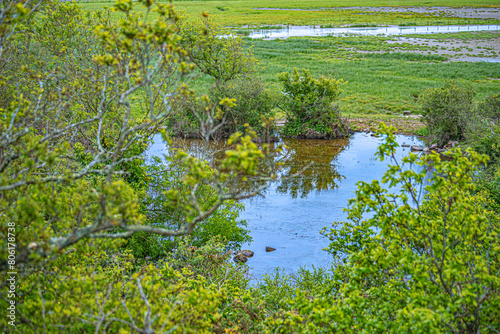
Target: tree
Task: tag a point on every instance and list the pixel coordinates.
(423, 257)
(78, 109)
(216, 51)
(310, 105)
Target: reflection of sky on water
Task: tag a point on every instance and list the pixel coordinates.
(292, 225)
(293, 211)
(308, 31)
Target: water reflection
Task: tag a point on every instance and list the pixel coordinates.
(295, 209)
(310, 31)
(320, 158)
(308, 165)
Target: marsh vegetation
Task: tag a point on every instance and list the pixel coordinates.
(132, 137)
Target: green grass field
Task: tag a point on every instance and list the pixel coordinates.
(242, 13)
(378, 83)
(382, 81)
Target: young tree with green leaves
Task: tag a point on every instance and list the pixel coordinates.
(419, 253)
(80, 103)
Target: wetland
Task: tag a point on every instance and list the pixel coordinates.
(292, 212)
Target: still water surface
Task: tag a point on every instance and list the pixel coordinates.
(311, 31)
(294, 210)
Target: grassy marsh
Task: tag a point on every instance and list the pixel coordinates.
(383, 83)
(384, 74)
(247, 13)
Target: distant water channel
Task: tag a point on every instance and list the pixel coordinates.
(312, 31)
(291, 215)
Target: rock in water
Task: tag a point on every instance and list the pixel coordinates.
(415, 148)
(240, 258)
(247, 253)
(270, 249)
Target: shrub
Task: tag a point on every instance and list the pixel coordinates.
(253, 100)
(446, 111)
(490, 107)
(310, 105)
(483, 128)
(427, 258)
(484, 137)
(488, 183)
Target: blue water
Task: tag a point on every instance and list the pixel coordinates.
(311, 31)
(295, 209)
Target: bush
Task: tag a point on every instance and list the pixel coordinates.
(251, 101)
(484, 137)
(446, 111)
(490, 108)
(310, 105)
(483, 128)
(488, 183)
(427, 258)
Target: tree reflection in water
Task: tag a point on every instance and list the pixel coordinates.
(322, 172)
(319, 155)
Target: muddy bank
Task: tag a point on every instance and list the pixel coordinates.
(454, 49)
(461, 12)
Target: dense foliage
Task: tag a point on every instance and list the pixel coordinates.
(311, 105)
(446, 111)
(82, 96)
(450, 114)
(105, 243)
(231, 67)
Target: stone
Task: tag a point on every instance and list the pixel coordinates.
(434, 146)
(416, 148)
(406, 113)
(270, 249)
(247, 253)
(240, 258)
(452, 143)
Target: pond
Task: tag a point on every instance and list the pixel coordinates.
(311, 31)
(294, 210)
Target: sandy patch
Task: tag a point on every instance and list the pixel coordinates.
(462, 12)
